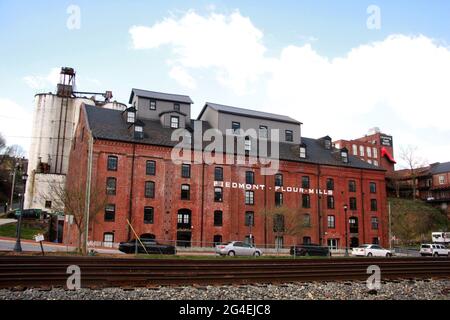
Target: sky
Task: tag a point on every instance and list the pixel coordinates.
(340, 67)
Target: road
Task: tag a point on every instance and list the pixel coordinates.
(8, 245)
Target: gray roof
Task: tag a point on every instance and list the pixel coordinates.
(247, 112)
(159, 96)
(108, 124)
(437, 168)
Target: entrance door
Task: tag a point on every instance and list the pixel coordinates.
(333, 244)
(354, 242)
(184, 238)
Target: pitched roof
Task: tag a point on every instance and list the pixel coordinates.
(437, 168)
(108, 124)
(246, 112)
(159, 96)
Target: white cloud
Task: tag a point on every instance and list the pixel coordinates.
(15, 123)
(43, 82)
(180, 75)
(231, 45)
(399, 84)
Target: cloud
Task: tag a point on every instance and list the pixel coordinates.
(399, 84)
(229, 44)
(15, 123)
(180, 75)
(43, 82)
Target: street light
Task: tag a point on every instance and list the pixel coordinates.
(18, 246)
(346, 228)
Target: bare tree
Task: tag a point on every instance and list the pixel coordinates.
(413, 162)
(287, 221)
(72, 201)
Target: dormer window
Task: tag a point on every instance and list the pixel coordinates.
(174, 122)
(289, 135)
(176, 106)
(152, 104)
(303, 152)
(235, 126)
(344, 155)
(263, 132)
(138, 132)
(131, 117)
(327, 143)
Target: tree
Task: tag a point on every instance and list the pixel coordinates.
(287, 221)
(414, 162)
(72, 201)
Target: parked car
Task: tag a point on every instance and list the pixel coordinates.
(150, 245)
(371, 250)
(237, 248)
(310, 250)
(434, 250)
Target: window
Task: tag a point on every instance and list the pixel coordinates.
(302, 152)
(278, 199)
(373, 187)
(279, 242)
(110, 213)
(352, 203)
(441, 179)
(235, 126)
(353, 224)
(361, 151)
(131, 117)
(375, 152)
(278, 180)
(112, 163)
(355, 149)
(217, 239)
(138, 132)
(249, 197)
(289, 135)
(174, 122)
(305, 182)
(375, 162)
(111, 186)
(249, 177)
(152, 104)
(352, 186)
(344, 156)
(263, 132)
(108, 239)
(185, 170)
(150, 168)
(331, 222)
(369, 161)
(247, 144)
(48, 204)
(149, 189)
(176, 106)
(218, 218)
(250, 218)
(374, 223)
(218, 174)
(373, 205)
(330, 202)
(306, 240)
(184, 220)
(327, 144)
(307, 220)
(330, 184)
(148, 215)
(375, 241)
(185, 192)
(369, 152)
(306, 201)
(218, 194)
(278, 223)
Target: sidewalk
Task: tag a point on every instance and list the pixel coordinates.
(7, 221)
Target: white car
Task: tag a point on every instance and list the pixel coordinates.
(434, 250)
(371, 250)
(237, 248)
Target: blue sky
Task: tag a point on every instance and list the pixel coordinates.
(281, 42)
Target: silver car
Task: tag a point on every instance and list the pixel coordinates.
(237, 248)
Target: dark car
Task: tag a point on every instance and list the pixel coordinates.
(151, 246)
(310, 250)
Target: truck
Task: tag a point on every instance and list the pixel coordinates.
(441, 237)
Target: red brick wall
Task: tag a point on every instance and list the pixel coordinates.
(168, 188)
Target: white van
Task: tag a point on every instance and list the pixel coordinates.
(434, 250)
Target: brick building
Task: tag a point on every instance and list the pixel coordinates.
(375, 148)
(129, 155)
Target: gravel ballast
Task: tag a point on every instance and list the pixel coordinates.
(393, 290)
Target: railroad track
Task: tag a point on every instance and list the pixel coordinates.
(97, 272)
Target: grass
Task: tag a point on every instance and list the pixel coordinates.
(215, 257)
(9, 230)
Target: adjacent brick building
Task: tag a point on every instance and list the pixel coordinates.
(199, 204)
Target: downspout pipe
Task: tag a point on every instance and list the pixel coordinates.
(88, 193)
(130, 204)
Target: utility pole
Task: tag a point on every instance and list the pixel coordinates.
(13, 186)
